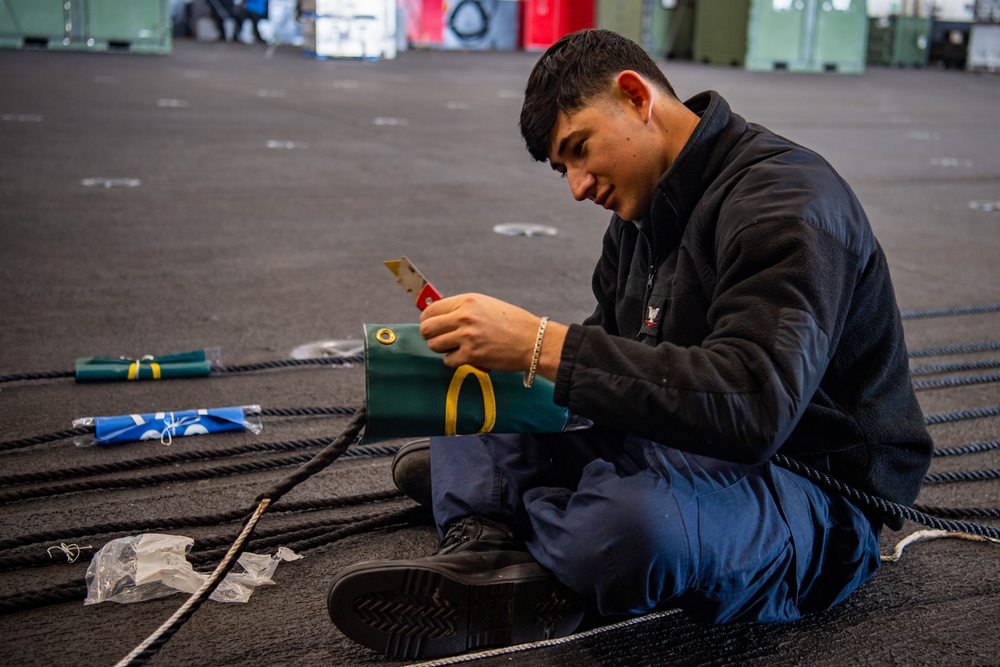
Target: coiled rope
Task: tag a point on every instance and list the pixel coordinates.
(151, 646)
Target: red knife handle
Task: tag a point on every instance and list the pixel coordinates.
(427, 296)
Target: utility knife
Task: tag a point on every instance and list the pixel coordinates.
(407, 275)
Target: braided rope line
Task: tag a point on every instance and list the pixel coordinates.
(184, 457)
(295, 537)
(962, 476)
(961, 415)
(42, 439)
(545, 643)
(964, 381)
(309, 412)
(163, 459)
(62, 488)
(173, 523)
(205, 549)
(152, 480)
(289, 363)
(886, 507)
(267, 412)
(76, 589)
(221, 370)
(927, 369)
(968, 448)
(44, 375)
(397, 518)
(960, 512)
(946, 312)
(961, 348)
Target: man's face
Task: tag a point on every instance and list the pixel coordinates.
(608, 155)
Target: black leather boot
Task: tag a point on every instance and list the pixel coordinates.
(480, 589)
(411, 471)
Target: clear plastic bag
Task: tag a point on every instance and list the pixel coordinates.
(151, 565)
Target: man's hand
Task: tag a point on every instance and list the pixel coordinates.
(488, 333)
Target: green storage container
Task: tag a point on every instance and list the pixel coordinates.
(662, 31)
(140, 26)
(671, 30)
(807, 35)
(38, 23)
(841, 36)
(621, 16)
(720, 32)
(899, 41)
(780, 35)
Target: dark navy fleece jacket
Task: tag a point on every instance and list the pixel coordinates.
(752, 311)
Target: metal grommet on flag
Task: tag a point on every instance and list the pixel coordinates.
(385, 336)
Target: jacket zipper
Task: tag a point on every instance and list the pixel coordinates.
(649, 280)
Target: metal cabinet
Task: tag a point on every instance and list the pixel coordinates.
(899, 41)
(720, 32)
(141, 26)
(841, 36)
(41, 23)
(664, 31)
(138, 26)
(807, 35)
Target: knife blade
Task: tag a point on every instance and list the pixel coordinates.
(411, 280)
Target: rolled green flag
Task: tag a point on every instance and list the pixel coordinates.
(108, 369)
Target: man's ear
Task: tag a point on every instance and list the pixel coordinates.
(635, 92)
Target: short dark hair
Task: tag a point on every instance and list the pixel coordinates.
(572, 73)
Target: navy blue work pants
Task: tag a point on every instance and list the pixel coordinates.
(635, 525)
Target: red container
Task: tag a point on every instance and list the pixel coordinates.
(424, 22)
(545, 21)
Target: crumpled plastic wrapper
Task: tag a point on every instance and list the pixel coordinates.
(148, 566)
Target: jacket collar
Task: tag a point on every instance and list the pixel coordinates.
(699, 163)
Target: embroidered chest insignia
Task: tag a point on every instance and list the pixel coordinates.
(651, 316)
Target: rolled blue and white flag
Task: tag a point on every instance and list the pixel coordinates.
(165, 426)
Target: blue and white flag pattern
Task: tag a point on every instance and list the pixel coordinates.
(165, 426)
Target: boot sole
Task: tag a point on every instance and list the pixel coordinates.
(419, 611)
